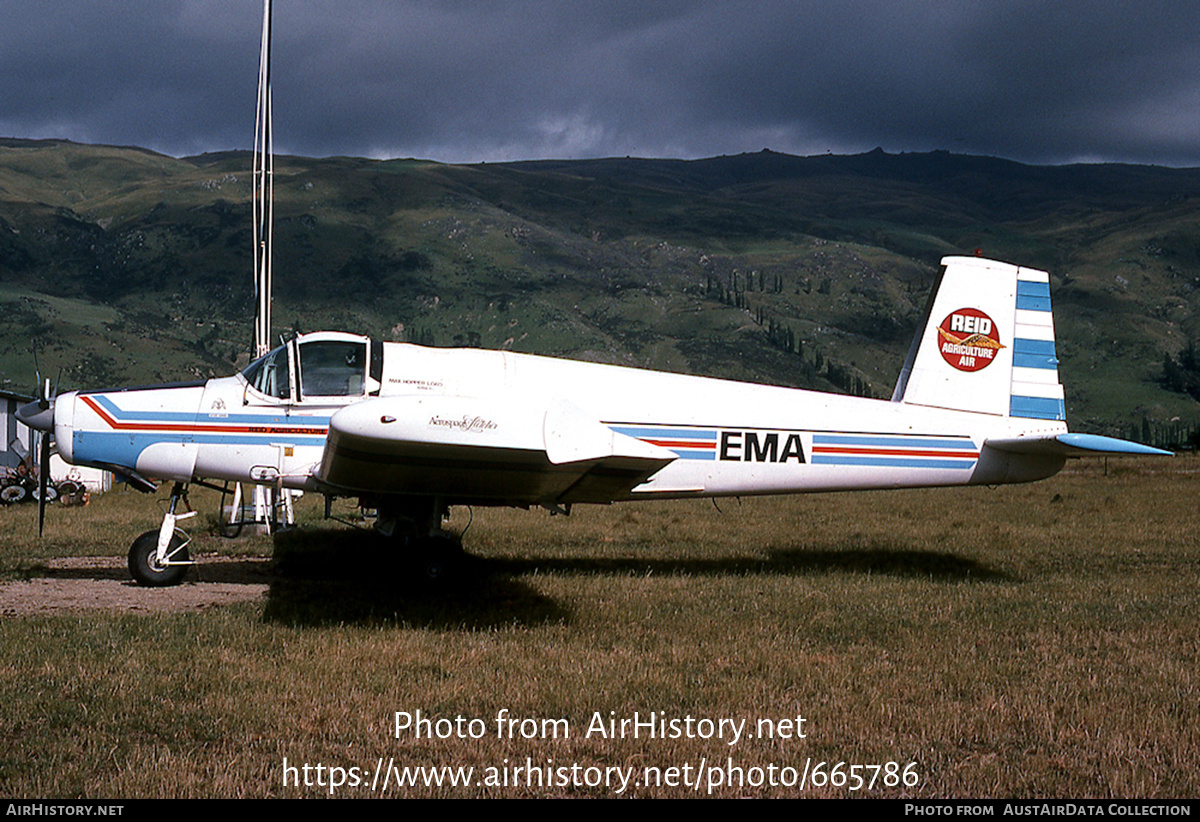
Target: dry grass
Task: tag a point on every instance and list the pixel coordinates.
(1024, 641)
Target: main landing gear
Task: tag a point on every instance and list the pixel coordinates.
(159, 558)
(436, 555)
(439, 559)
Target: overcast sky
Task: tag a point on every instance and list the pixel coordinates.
(464, 81)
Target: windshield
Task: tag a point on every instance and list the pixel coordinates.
(269, 373)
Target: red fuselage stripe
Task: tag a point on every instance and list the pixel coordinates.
(681, 443)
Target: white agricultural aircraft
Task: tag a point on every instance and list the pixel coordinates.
(412, 430)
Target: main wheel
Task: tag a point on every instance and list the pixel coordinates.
(149, 573)
(439, 560)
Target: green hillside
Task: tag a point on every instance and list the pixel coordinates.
(123, 266)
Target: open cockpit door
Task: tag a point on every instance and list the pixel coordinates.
(335, 369)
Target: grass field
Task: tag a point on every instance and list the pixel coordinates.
(1024, 641)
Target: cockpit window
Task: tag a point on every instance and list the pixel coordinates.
(332, 368)
(269, 374)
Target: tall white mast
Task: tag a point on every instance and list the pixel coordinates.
(264, 217)
(264, 194)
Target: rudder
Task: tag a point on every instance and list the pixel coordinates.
(986, 344)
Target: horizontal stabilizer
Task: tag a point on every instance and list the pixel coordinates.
(1075, 445)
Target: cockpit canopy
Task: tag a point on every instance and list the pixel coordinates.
(324, 365)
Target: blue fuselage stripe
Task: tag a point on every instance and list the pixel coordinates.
(686, 454)
(899, 442)
(122, 448)
(706, 435)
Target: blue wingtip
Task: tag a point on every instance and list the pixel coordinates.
(1109, 445)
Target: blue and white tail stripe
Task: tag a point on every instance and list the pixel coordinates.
(1032, 294)
(1030, 353)
(1036, 392)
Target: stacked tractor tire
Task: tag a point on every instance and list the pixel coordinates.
(16, 488)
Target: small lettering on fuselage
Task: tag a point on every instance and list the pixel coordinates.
(416, 384)
(467, 423)
(760, 446)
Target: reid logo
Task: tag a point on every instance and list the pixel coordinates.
(968, 339)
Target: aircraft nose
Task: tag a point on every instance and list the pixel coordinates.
(38, 415)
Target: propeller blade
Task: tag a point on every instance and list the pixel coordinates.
(39, 416)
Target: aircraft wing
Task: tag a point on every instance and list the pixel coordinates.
(1073, 445)
(497, 451)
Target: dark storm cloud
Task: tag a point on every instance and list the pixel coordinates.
(1045, 82)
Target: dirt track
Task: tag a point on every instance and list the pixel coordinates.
(86, 583)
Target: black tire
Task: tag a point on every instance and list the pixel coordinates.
(141, 561)
(439, 560)
(51, 493)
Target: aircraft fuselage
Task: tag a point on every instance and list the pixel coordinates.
(476, 426)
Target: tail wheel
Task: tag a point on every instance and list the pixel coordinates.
(147, 571)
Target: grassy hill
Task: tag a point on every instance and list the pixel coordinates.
(120, 265)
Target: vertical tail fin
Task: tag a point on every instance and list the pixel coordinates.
(987, 344)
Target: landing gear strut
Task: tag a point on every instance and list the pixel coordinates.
(159, 558)
(416, 524)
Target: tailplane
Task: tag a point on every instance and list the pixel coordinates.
(987, 344)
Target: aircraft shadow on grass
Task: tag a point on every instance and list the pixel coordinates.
(881, 558)
(352, 577)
